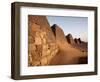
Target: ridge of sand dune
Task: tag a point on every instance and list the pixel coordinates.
(67, 54)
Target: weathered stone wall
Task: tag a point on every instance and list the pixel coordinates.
(41, 41)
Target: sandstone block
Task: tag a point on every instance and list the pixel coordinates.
(70, 39)
(30, 39)
(44, 61)
(36, 63)
(38, 41)
(31, 47)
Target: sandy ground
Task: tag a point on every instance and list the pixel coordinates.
(69, 55)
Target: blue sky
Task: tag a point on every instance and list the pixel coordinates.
(77, 26)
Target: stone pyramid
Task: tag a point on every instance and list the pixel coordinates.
(41, 41)
(70, 39)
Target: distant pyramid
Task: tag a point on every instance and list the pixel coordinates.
(77, 41)
(70, 39)
(59, 34)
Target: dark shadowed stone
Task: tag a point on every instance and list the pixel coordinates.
(70, 39)
(79, 39)
(76, 41)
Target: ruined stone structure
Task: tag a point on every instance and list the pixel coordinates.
(59, 35)
(49, 46)
(70, 39)
(77, 41)
(41, 41)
